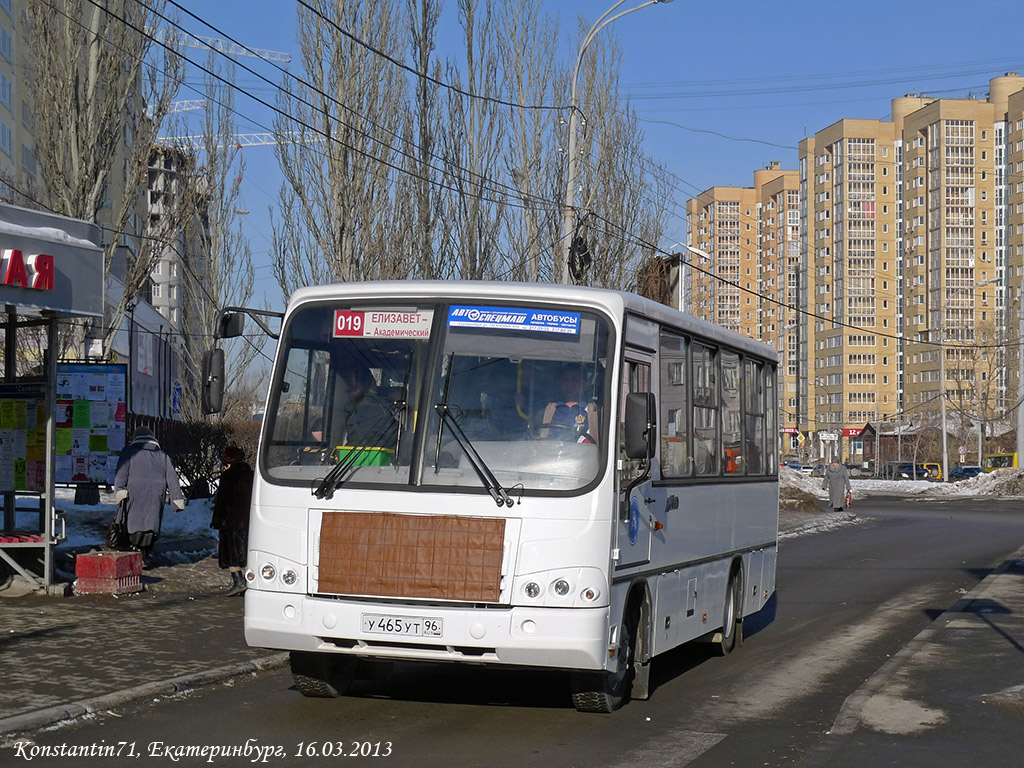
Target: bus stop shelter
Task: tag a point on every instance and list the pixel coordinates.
(51, 268)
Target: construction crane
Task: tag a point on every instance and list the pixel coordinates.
(185, 105)
(239, 140)
(216, 44)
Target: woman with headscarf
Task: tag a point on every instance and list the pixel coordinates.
(837, 483)
(231, 515)
(145, 476)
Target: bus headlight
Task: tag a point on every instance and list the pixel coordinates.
(268, 572)
(532, 589)
(590, 594)
(561, 587)
(289, 577)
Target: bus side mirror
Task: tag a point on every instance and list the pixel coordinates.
(641, 425)
(213, 381)
(230, 325)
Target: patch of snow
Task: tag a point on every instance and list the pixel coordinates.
(1001, 482)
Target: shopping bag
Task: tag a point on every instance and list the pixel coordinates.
(117, 533)
(849, 499)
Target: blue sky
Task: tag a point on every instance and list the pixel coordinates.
(722, 88)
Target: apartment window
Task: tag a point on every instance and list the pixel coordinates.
(158, 268)
(156, 290)
(5, 138)
(29, 164)
(5, 43)
(5, 92)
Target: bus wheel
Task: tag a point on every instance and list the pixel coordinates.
(322, 675)
(731, 626)
(607, 691)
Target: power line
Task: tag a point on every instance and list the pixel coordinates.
(435, 81)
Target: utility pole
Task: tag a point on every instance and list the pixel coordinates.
(1020, 375)
(942, 393)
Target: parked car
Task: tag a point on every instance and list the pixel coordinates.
(904, 470)
(855, 470)
(964, 471)
(934, 469)
(818, 470)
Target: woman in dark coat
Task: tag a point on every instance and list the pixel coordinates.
(145, 476)
(837, 483)
(231, 515)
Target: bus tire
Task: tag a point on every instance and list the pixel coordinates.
(732, 622)
(607, 691)
(321, 675)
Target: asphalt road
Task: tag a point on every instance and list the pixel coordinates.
(847, 601)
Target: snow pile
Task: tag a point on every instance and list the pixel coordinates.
(1002, 482)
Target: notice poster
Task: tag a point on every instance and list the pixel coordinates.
(91, 411)
(22, 437)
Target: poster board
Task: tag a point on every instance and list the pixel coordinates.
(91, 413)
(23, 414)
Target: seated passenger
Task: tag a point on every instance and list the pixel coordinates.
(370, 420)
(571, 415)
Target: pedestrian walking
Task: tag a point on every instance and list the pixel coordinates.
(231, 515)
(837, 482)
(145, 476)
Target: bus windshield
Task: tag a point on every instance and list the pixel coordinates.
(423, 395)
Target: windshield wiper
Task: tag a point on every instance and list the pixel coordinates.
(490, 482)
(333, 479)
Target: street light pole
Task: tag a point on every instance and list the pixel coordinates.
(568, 223)
(1020, 375)
(942, 393)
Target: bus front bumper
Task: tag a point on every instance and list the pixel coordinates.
(561, 638)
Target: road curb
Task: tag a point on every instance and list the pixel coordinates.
(848, 719)
(43, 717)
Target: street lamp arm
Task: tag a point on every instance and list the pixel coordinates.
(571, 169)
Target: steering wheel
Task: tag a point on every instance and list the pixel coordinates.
(573, 435)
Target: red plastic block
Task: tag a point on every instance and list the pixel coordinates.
(108, 565)
(120, 586)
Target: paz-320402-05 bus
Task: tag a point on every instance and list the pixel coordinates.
(508, 474)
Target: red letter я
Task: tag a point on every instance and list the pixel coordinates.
(15, 274)
(43, 266)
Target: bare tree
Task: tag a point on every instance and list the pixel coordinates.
(100, 94)
(423, 18)
(473, 142)
(337, 146)
(218, 260)
(531, 158)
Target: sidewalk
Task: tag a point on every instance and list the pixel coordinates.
(952, 694)
(62, 658)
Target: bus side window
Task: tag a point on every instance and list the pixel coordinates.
(673, 402)
(705, 410)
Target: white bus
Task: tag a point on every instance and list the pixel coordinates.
(508, 474)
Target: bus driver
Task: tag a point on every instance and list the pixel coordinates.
(571, 413)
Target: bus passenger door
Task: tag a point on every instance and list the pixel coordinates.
(633, 529)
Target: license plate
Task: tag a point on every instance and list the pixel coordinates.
(407, 626)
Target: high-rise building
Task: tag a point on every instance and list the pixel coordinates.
(722, 228)
(902, 243)
(959, 262)
(744, 268)
(848, 172)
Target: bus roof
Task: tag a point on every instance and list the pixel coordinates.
(616, 303)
